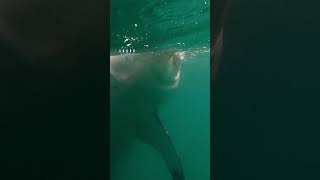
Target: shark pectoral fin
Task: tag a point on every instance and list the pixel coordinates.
(154, 134)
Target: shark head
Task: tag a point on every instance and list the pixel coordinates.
(166, 68)
(160, 70)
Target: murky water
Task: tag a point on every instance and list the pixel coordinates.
(147, 26)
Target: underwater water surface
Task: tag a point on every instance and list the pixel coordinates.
(148, 26)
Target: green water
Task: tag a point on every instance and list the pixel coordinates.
(151, 25)
(146, 26)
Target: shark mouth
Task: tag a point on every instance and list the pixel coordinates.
(177, 59)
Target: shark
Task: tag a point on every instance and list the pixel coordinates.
(139, 84)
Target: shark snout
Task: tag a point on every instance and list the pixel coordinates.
(179, 55)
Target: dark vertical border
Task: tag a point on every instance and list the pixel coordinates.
(107, 60)
(53, 105)
(218, 11)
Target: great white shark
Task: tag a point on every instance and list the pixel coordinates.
(139, 84)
